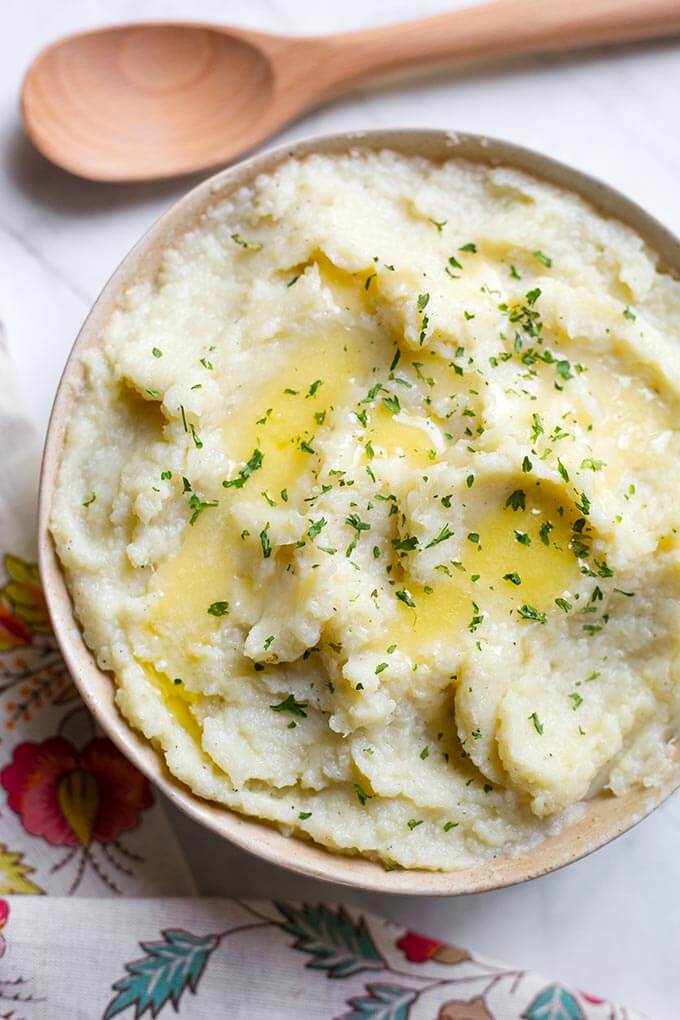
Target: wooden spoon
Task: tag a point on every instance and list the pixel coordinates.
(147, 101)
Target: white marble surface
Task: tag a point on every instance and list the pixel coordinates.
(610, 923)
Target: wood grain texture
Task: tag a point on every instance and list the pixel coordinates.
(603, 817)
(149, 101)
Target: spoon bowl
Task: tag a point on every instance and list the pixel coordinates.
(122, 102)
(147, 101)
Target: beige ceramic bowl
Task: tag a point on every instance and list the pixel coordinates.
(604, 817)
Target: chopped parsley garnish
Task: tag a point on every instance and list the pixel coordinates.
(380, 667)
(207, 364)
(292, 706)
(196, 438)
(199, 505)
(542, 258)
(422, 302)
(576, 700)
(538, 725)
(405, 544)
(544, 532)
(90, 500)
(316, 526)
(392, 403)
(563, 604)
(449, 825)
(413, 823)
(473, 537)
(470, 246)
(516, 500)
(522, 537)
(477, 618)
(513, 577)
(526, 465)
(314, 387)
(218, 608)
(293, 279)
(157, 352)
(166, 476)
(627, 314)
(250, 245)
(155, 395)
(531, 613)
(536, 427)
(439, 224)
(304, 815)
(361, 794)
(268, 642)
(562, 470)
(425, 753)
(244, 474)
(592, 465)
(265, 543)
(440, 537)
(404, 597)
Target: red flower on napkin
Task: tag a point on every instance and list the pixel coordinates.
(418, 949)
(71, 797)
(14, 633)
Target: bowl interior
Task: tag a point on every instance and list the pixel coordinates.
(603, 817)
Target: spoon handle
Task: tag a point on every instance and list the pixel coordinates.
(505, 28)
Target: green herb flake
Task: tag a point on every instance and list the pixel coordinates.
(392, 403)
(413, 823)
(249, 245)
(304, 815)
(380, 667)
(531, 613)
(544, 259)
(516, 500)
(90, 500)
(315, 527)
(405, 597)
(627, 314)
(166, 476)
(442, 536)
(265, 543)
(246, 471)
(538, 725)
(218, 608)
(470, 246)
(157, 352)
(447, 826)
(291, 706)
(362, 796)
(513, 577)
(576, 700)
(563, 604)
(199, 505)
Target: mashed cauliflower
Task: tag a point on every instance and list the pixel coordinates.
(369, 502)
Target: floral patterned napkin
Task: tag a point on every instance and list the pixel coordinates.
(77, 818)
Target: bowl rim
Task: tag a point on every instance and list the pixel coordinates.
(604, 817)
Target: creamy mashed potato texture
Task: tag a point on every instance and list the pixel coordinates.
(369, 501)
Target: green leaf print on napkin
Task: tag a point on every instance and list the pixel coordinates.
(337, 944)
(163, 974)
(385, 1002)
(554, 1003)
